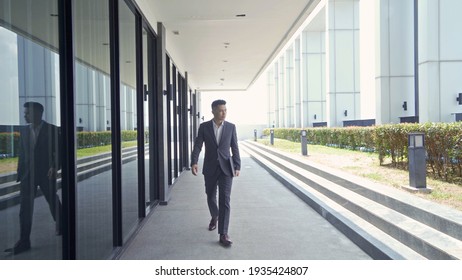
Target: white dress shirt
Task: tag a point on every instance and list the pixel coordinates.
(218, 130)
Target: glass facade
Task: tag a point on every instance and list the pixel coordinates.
(54, 204)
(129, 131)
(30, 158)
(94, 130)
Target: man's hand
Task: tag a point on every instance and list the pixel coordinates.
(194, 169)
(236, 173)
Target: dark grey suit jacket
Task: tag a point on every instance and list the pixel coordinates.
(45, 155)
(217, 153)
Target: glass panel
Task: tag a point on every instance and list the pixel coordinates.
(30, 208)
(172, 105)
(419, 140)
(128, 122)
(93, 115)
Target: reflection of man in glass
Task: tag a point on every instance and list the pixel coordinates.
(39, 161)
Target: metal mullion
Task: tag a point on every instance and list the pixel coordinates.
(152, 103)
(180, 117)
(175, 121)
(115, 124)
(169, 120)
(184, 96)
(140, 118)
(68, 134)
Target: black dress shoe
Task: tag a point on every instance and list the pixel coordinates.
(224, 239)
(213, 224)
(19, 247)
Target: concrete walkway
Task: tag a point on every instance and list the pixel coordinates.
(267, 222)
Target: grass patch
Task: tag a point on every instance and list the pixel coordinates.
(8, 165)
(102, 149)
(374, 176)
(367, 165)
(439, 195)
(288, 146)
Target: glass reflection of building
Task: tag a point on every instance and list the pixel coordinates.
(118, 124)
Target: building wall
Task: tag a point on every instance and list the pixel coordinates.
(440, 59)
(361, 64)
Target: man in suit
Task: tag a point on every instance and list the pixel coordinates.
(220, 166)
(38, 163)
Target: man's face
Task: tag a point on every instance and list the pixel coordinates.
(30, 116)
(219, 112)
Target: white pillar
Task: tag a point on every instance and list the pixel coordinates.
(38, 79)
(289, 88)
(395, 60)
(107, 93)
(314, 77)
(367, 58)
(342, 45)
(123, 108)
(276, 95)
(282, 93)
(297, 83)
(271, 96)
(440, 59)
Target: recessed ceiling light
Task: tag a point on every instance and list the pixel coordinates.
(176, 32)
(54, 15)
(240, 15)
(105, 44)
(224, 60)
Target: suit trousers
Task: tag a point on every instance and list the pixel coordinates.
(223, 210)
(28, 191)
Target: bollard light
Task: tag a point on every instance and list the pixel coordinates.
(272, 136)
(416, 140)
(417, 160)
(304, 142)
(255, 135)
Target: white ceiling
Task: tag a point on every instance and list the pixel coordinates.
(218, 49)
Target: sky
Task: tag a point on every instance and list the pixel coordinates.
(9, 76)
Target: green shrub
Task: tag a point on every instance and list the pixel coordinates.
(443, 143)
(9, 144)
(88, 139)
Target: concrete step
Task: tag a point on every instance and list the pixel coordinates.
(9, 191)
(380, 230)
(8, 187)
(440, 217)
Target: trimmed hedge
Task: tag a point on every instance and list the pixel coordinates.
(88, 139)
(9, 142)
(443, 143)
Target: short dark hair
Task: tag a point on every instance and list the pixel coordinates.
(218, 103)
(34, 106)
